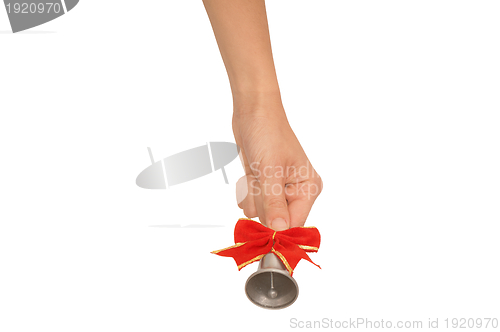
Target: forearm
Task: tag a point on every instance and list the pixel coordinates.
(242, 33)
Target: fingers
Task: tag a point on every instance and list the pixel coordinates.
(245, 196)
(301, 198)
(264, 199)
(275, 206)
(278, 205)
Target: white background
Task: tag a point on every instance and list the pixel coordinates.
(396, 104)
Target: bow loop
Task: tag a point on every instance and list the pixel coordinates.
(254, 240)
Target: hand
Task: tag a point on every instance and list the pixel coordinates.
(281, 182)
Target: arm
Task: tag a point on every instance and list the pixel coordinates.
(282, 184)
(242, 33)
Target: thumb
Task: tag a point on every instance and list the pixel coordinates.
(275, 204)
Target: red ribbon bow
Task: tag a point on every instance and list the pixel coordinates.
(254, 240)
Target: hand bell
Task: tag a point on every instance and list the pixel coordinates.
(271, 286)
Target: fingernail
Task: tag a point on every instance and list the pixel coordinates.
(279, 224)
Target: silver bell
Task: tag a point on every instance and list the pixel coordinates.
(271, 286)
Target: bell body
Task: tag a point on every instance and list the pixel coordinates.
(271, 286)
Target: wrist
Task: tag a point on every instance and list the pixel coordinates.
(257, 101)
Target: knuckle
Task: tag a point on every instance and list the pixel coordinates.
(276, 203)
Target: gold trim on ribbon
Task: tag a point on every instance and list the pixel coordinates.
(274, 234)
(239, 244)
(301, 246)
(256, 258)
(248, 219)
(283, 259)
(307, 227)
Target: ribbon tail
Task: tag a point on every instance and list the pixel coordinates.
(291, 253)
(245, 253)
(220, 252)
(307, 258)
